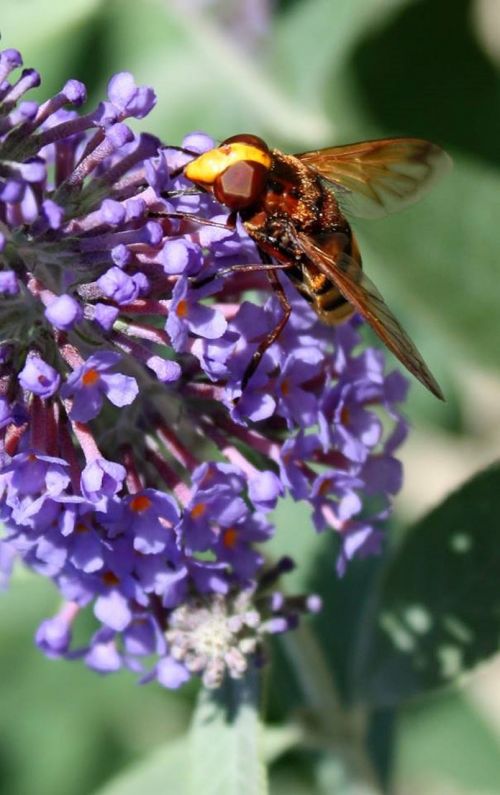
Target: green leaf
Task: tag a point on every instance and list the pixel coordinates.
(407, 94)
(166, 767)
(162, 771)
(321, 34)
(287, 782)
(226, 755)
(438, 611)
(429, 736)
(278, 740)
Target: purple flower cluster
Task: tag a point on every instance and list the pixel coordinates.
(135, 472)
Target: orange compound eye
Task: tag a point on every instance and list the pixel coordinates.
(241, 185)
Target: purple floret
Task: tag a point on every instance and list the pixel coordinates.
(89, 384)
(64, 312)
(187, 315)
(39, 377)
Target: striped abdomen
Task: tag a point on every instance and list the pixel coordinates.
(320, 291)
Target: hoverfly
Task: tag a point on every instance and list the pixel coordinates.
(293, 207)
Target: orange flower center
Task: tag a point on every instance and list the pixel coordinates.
(198, 510)
(230, 537)
(325, 487)
(110, 579)
(140, 503)
(345, 415)
(182, 308)
(285, 388)
(90, 377)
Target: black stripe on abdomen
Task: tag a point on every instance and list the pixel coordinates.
(331, 300)
(333, 307)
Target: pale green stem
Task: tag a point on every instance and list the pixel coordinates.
(337, 730)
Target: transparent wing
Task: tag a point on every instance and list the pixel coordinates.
(373, 178)
(360, 291)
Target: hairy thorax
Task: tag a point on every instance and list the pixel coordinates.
(294, 200)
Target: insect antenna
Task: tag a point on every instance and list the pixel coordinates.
(178, 171)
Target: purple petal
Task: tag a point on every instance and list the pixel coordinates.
(112, 212)
(104, 657)
(198, 142)
(53, 213)
(87, 404)
(131, 99)
(121, 255)
(75, 92)
(165, 370)
(53, 636)
(118, 285)
(64, 312)
(120, 389)
(171, 674)
(113, 610)
(181, 257)
(207, 322)
(264, 490)
(88, 553)
(105, 315)
(39, 377)
(102, 478)
(8, 283)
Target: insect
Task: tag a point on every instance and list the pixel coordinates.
(293, 207)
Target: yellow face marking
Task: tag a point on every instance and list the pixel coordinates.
(210, 165)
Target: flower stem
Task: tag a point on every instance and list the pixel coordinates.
(338, 731)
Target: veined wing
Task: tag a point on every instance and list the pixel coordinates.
(373, 178)
(360, 291)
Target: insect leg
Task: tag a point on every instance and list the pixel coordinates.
(258, 266)
(175, 194)
(276, 331)
(198, 219)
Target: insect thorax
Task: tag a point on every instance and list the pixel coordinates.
(294, 199)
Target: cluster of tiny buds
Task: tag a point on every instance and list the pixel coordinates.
(217, 636)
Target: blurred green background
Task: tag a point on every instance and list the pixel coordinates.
(301, 73)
